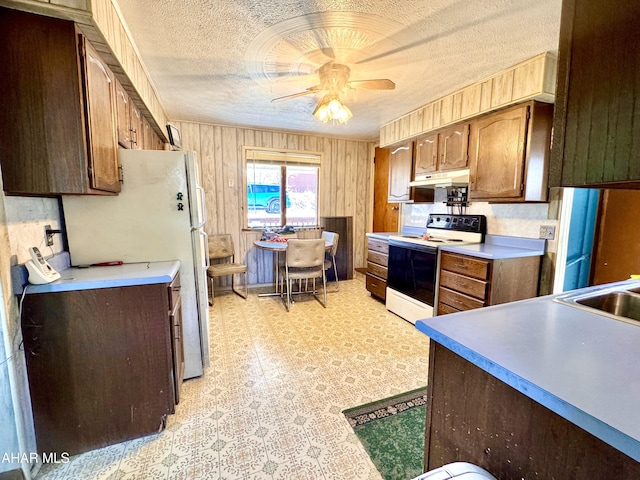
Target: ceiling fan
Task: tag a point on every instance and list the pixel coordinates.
(334, 79)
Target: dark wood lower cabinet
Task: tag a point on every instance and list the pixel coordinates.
(101, 364)
(377, 267)
(474, 417)
(467, 282)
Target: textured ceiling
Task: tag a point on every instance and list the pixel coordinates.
(223, 61)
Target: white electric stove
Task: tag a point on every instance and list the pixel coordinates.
(413, 261)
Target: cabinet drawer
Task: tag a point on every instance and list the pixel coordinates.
(377, 286)
(379, 258)
(381, 246)
(473, 267)
(174, 292)
(458, 300)
(443, 309)
(470, 286)
(377, 270)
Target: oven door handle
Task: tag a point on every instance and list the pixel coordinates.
(413, 246)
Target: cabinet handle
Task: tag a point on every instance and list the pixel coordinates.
(398, 149)
(100, 66)
(124, 99)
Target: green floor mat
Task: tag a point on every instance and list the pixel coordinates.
(392, 432)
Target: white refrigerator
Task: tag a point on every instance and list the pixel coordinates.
(159, 215)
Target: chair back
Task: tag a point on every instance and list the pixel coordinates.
(305, 252)
(333, 238)
(220, 246)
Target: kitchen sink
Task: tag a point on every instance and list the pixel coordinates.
(620, 304)
(621, 301)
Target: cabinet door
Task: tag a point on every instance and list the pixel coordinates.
(497, 156)
(400, 169)
(101, 119)
(148, 135)
(159, 143)
(426, 154)
(453, 148)
(122, 108)
(137, 128)
(596, 127)
(99, 365)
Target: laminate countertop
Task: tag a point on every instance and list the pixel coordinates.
(381, 235)
(143, 273)
(500, 246)
(583, 366)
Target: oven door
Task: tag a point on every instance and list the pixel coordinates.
(412, 270)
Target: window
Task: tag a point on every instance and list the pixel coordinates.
(282, 188)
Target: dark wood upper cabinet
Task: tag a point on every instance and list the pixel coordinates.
(443, 150)
(597, 120)
(123, 103)
(58, 114)
(136, 128)
(426, 154)
(453, 143)
(509, 154)
(100, 119)
(400, 170)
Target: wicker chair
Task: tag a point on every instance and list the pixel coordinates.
(221, 251)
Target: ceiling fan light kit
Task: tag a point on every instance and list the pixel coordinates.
(334, 79)
(331, 108)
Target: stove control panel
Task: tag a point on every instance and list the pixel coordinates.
(459, 223)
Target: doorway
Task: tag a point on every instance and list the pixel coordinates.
(617, 251)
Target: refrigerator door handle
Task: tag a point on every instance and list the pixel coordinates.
(204, 208)
(207, 262)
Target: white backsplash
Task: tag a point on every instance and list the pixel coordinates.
(26, 218)
(513, 219)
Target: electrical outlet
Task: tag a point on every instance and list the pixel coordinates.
(48, 237)
(232, 183)
(548, 232)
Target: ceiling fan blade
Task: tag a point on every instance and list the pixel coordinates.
(328, 52)
(377, 84)
(308, 91)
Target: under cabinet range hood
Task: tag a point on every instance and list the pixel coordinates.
(454, 178)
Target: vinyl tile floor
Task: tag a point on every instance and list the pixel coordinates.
(269, 406)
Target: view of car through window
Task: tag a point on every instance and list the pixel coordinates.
(264, 195)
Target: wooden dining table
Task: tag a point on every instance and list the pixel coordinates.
(277, 247)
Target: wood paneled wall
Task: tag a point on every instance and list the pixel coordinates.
(345, 183)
